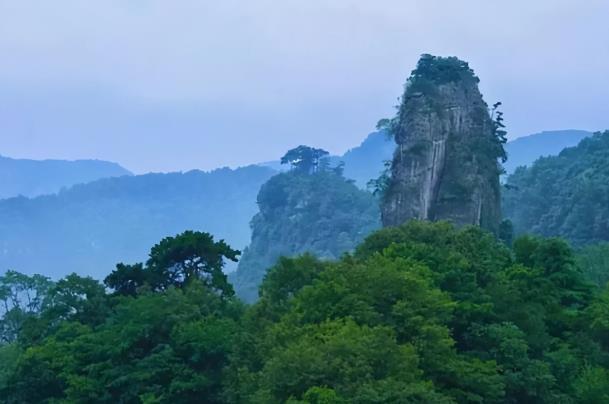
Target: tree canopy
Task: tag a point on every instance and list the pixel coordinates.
(176, 261)
(304, 159)
(421, 313)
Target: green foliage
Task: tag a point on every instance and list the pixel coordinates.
(176, 261)
(21, 298)
(563, 196)
(379, 186)
(594, 262)
(442, 70)
(165, 335)
(421, 313)
(481, 323)
(320, 213)
(499, 132)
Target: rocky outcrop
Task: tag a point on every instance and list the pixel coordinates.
(445, 166)
(320, 213)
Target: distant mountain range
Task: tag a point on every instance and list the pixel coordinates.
(33, 178)
(364, 162)
(525, 150)
(89, 228)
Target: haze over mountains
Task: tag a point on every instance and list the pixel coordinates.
(90, 227)
(525, 150)
(41, 177)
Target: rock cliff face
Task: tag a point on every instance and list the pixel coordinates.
(445, 166)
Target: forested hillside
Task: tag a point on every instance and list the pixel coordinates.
(89, 228)
(565, 195)
(422, 313)
(300, 211)
(32, 177)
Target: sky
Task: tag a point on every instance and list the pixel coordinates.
(175, 85)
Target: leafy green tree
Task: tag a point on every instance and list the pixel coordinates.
(21, 297)
(176, 261)
(168, 346)
(592, 386)
(128, 279)
(192, 255)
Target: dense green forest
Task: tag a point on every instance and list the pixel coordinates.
(311, 208)
(419, 313)
(565, 195)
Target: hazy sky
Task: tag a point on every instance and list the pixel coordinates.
(181, 84)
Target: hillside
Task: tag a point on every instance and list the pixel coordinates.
(565, 195)
(320, 213)
(32, 178)
(525, 150)
(89, 228)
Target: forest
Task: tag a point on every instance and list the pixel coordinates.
(424, 312)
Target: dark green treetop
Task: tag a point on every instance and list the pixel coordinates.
(304, 159)
(175, 261)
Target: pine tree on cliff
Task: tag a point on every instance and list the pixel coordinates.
(446, 164)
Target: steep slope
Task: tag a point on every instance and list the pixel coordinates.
(33, 178)
(445, 166)
(91, 227)
(321, 213)
(525, 150)
(565, 195)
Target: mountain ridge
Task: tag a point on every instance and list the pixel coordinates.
(32, 178)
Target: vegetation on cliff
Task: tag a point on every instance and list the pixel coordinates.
(446, 164)
(419, 313)
(311, 208)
